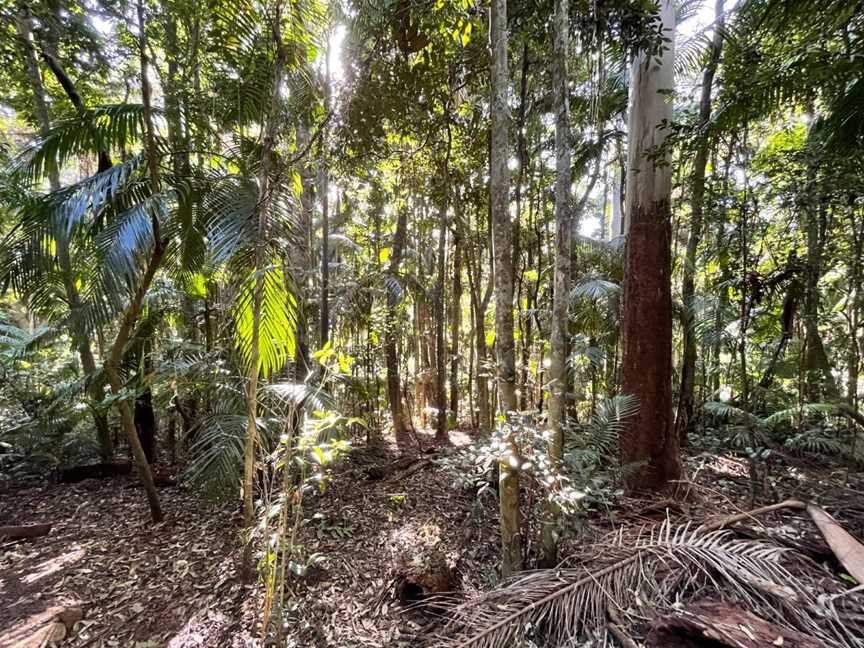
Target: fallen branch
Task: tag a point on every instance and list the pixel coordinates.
(747, 515)
(21, 532)
(410, 470)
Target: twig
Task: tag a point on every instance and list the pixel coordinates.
(732, 519)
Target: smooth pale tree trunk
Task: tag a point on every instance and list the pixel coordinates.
(115, 354)
(697, 207)
(617, 183)
(649, 446)
(557, 382)
(502, 241)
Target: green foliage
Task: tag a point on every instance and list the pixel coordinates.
(278, 319)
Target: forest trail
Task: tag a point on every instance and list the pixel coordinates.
(174, 584)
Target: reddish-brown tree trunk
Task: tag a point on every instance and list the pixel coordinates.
(649, 446)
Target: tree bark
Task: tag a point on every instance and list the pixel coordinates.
(301, 255)
(819, 379)
(502, 234)
(697, 204)
(649, 446)
(324, 182)
(394, 390)
(440, 348)
(455, 321)
(53, 63)
(557, 383)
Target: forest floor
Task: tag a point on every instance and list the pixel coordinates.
(174, 584)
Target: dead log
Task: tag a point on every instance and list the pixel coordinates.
(22, 532)
(94, 471)
(717, 623)
(399, 469)
(410, 470)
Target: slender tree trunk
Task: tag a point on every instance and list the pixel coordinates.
(856, 290)
(697, 205)
(646, 368)
(563, 252)
(502, 234)
(324, 181)
(819, 379)
(82, 341)
(51, 58)
(440, 348)
(479, 304)
(394, 390)
(265, 198)
(455, 321)
(301, 259)
(115, 354)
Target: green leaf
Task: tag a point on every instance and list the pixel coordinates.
(278, 320)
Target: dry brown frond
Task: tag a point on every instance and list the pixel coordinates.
(664, 567)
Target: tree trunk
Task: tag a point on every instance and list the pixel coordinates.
(502, 234)
(50, 56)
(301, 256)
(856, 292)
(115, 354)
(646, 368)
(697, 204)
(479, 304)
(265, 197)
(557, 381)
(440, 348)
(324, 182)
(455, 321)
(394, 390)
(819, 379)
(82, 341)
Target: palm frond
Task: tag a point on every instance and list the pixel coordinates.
(792, 413)
(735, 414)
(594, 288)
(127, 240)
(216, 455)
(554, 607)
(278, 322)
(103, 128)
